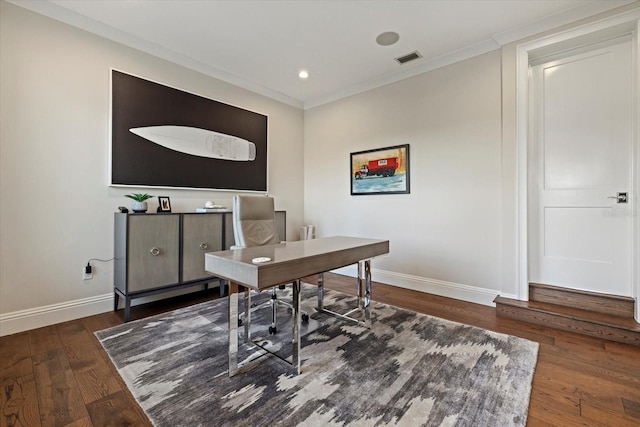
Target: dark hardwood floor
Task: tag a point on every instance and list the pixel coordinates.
(60, 375)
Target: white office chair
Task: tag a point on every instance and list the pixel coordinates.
(254, 224)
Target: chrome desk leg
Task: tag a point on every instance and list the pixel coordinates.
(233, 328)
(320, 292)
(359, 290)
(274, 310)
(367, 294)
(295, 354)
(363, 293)
(247, 314)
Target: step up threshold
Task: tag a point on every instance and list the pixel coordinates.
(596, 324)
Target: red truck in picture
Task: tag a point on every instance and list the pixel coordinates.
(380, 167)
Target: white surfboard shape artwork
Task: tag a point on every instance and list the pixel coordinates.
(199, 142)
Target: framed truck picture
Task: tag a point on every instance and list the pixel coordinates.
(380, 171)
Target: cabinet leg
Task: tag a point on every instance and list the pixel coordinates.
(127, 308)
(222, 284)
(116, 300)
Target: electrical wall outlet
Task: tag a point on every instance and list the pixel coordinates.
(85, 275)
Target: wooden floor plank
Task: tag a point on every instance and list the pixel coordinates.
(59, 398)
(533, 421)
(607, 393)
(91, 370)
(19, 402)
(571, 340)
(97, 383)
(16, 345)
(530, 334)
(631, 408)
(116, 410)
(596, 366)
(588, 377)
(549, 417)
(15, 357)
(619, 348)
(562, 403)
(44, 339)
(101, 321)
(598, 414)
(556, 414)
(85, 422)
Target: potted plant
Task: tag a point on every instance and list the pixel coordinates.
(139, 204)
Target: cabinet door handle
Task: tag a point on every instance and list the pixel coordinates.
(155, 251)
(203, 246)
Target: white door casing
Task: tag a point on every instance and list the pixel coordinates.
(580, 157)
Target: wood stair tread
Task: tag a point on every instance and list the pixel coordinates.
(625, 323)
(614, 305)
(581, 292)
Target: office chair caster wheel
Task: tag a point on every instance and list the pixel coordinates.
(305, 318)
(272, 330)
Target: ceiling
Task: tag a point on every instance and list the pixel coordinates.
(262, 45)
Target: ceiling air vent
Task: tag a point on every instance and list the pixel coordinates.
(409, 57)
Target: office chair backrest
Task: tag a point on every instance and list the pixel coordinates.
(254, 221)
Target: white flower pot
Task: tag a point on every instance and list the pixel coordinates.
(138, 207)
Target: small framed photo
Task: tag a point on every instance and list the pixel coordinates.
(380, 171)
(164, 204)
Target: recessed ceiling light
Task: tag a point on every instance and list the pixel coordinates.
(388, 38)
(304, 74)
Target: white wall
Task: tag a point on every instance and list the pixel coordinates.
(454, 235)
(56, 209)
(445, 236)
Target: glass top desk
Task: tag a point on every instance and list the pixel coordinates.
(288, 263)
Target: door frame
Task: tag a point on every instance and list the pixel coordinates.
(614, 26)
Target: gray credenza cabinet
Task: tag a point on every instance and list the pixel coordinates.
(156, 253)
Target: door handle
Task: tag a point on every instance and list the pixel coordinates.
(620, 197)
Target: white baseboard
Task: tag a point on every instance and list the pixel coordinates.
(422, 284)
(24, 320)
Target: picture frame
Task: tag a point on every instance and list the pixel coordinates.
(164, 204)
(380, 171)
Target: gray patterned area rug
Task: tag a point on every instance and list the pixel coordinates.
(409, 369)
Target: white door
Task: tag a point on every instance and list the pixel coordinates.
(580, 157)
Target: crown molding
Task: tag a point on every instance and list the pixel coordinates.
(494, 42)
(66, 16)
(563, 18)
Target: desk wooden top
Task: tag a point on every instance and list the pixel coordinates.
(291, 260)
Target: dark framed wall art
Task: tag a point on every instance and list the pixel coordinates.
(380, 171)
(164, 204)
(166, 137)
